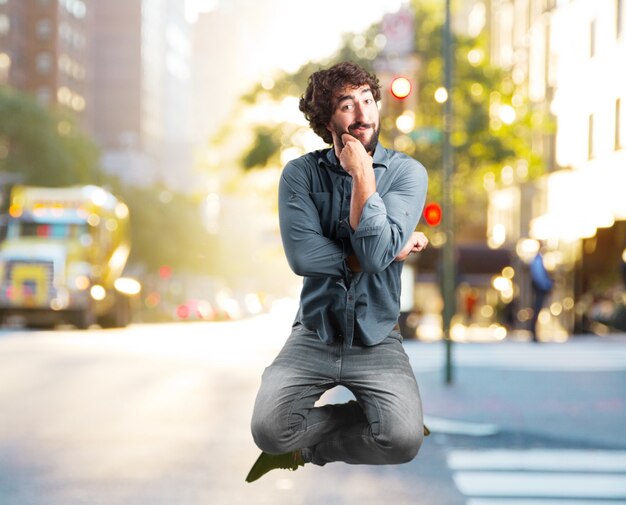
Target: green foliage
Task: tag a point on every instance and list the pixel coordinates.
(361, 49)
(45, 147)
(167, 229)
(269, 140)
(483, 144)
(266, 145)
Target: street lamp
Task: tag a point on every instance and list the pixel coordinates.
(441, 95)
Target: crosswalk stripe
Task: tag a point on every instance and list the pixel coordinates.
(520, 356)
(525, 484)
(539, 460)
(537, 501)
(453, 427)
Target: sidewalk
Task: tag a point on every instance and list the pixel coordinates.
(575, 391)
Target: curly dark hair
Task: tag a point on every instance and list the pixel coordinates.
(317, 101)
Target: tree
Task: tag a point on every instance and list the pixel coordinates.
(266, 145)
(494, 124)
(166, 229)
(45, 147)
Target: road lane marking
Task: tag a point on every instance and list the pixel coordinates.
(538, 501)
(453, 427)
(557, 485)
(572, 356)
(539, 476)
(539, 460)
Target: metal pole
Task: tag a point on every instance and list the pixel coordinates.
(448, 271)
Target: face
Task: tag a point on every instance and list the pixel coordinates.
(356, 113)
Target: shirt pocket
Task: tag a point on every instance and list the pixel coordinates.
(323, 204)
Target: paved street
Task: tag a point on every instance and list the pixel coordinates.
(159, 414)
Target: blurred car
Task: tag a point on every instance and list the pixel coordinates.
(194, 309)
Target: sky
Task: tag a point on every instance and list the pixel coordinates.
(250, 40)
(288, 33)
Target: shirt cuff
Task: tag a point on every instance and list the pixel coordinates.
(373, 217)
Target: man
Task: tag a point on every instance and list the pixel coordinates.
(542, 285)
(347, 220)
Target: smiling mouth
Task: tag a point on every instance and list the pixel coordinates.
(359, 128)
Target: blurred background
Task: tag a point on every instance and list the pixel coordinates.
(187, 111)
(143, 285)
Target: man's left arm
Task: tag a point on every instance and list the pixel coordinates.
(386, 224)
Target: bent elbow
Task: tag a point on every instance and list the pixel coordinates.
(373, 265)
(297, 266)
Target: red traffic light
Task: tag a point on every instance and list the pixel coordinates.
(432, 214)
(401, 87)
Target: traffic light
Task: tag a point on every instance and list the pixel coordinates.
(401, 87)
(432, 214)
(399, 106)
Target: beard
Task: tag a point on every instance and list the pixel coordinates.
(370, 145)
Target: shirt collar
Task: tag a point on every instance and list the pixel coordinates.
(329, 159)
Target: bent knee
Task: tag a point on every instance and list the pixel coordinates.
(402, 444)
(265, 435)
(410, 448)
(269, 437)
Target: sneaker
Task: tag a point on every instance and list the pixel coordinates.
(267, 462)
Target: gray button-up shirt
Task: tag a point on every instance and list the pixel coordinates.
(314, 212)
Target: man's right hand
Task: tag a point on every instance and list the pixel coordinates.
(355, 160)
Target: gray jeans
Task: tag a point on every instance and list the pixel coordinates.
(384, 425)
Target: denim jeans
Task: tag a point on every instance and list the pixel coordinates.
(384, 425)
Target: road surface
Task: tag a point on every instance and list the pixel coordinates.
(159, 414)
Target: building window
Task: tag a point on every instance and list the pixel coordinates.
(618, 124)
(44, 95)
(547, 59)
(590, 147)
(44, 29)
(5, 24)
(77, 8)
(549, 5)
(592, 39)
(5, 67)
(43, 63)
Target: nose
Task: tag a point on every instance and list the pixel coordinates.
(360, 112)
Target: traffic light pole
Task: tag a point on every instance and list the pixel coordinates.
(448, 271)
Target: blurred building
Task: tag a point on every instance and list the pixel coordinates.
(219, 78)
(141, 82)
(45, 50)
(235, 48)
(567, 58)
(123, 66)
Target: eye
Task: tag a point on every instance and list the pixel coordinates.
(347, 107)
